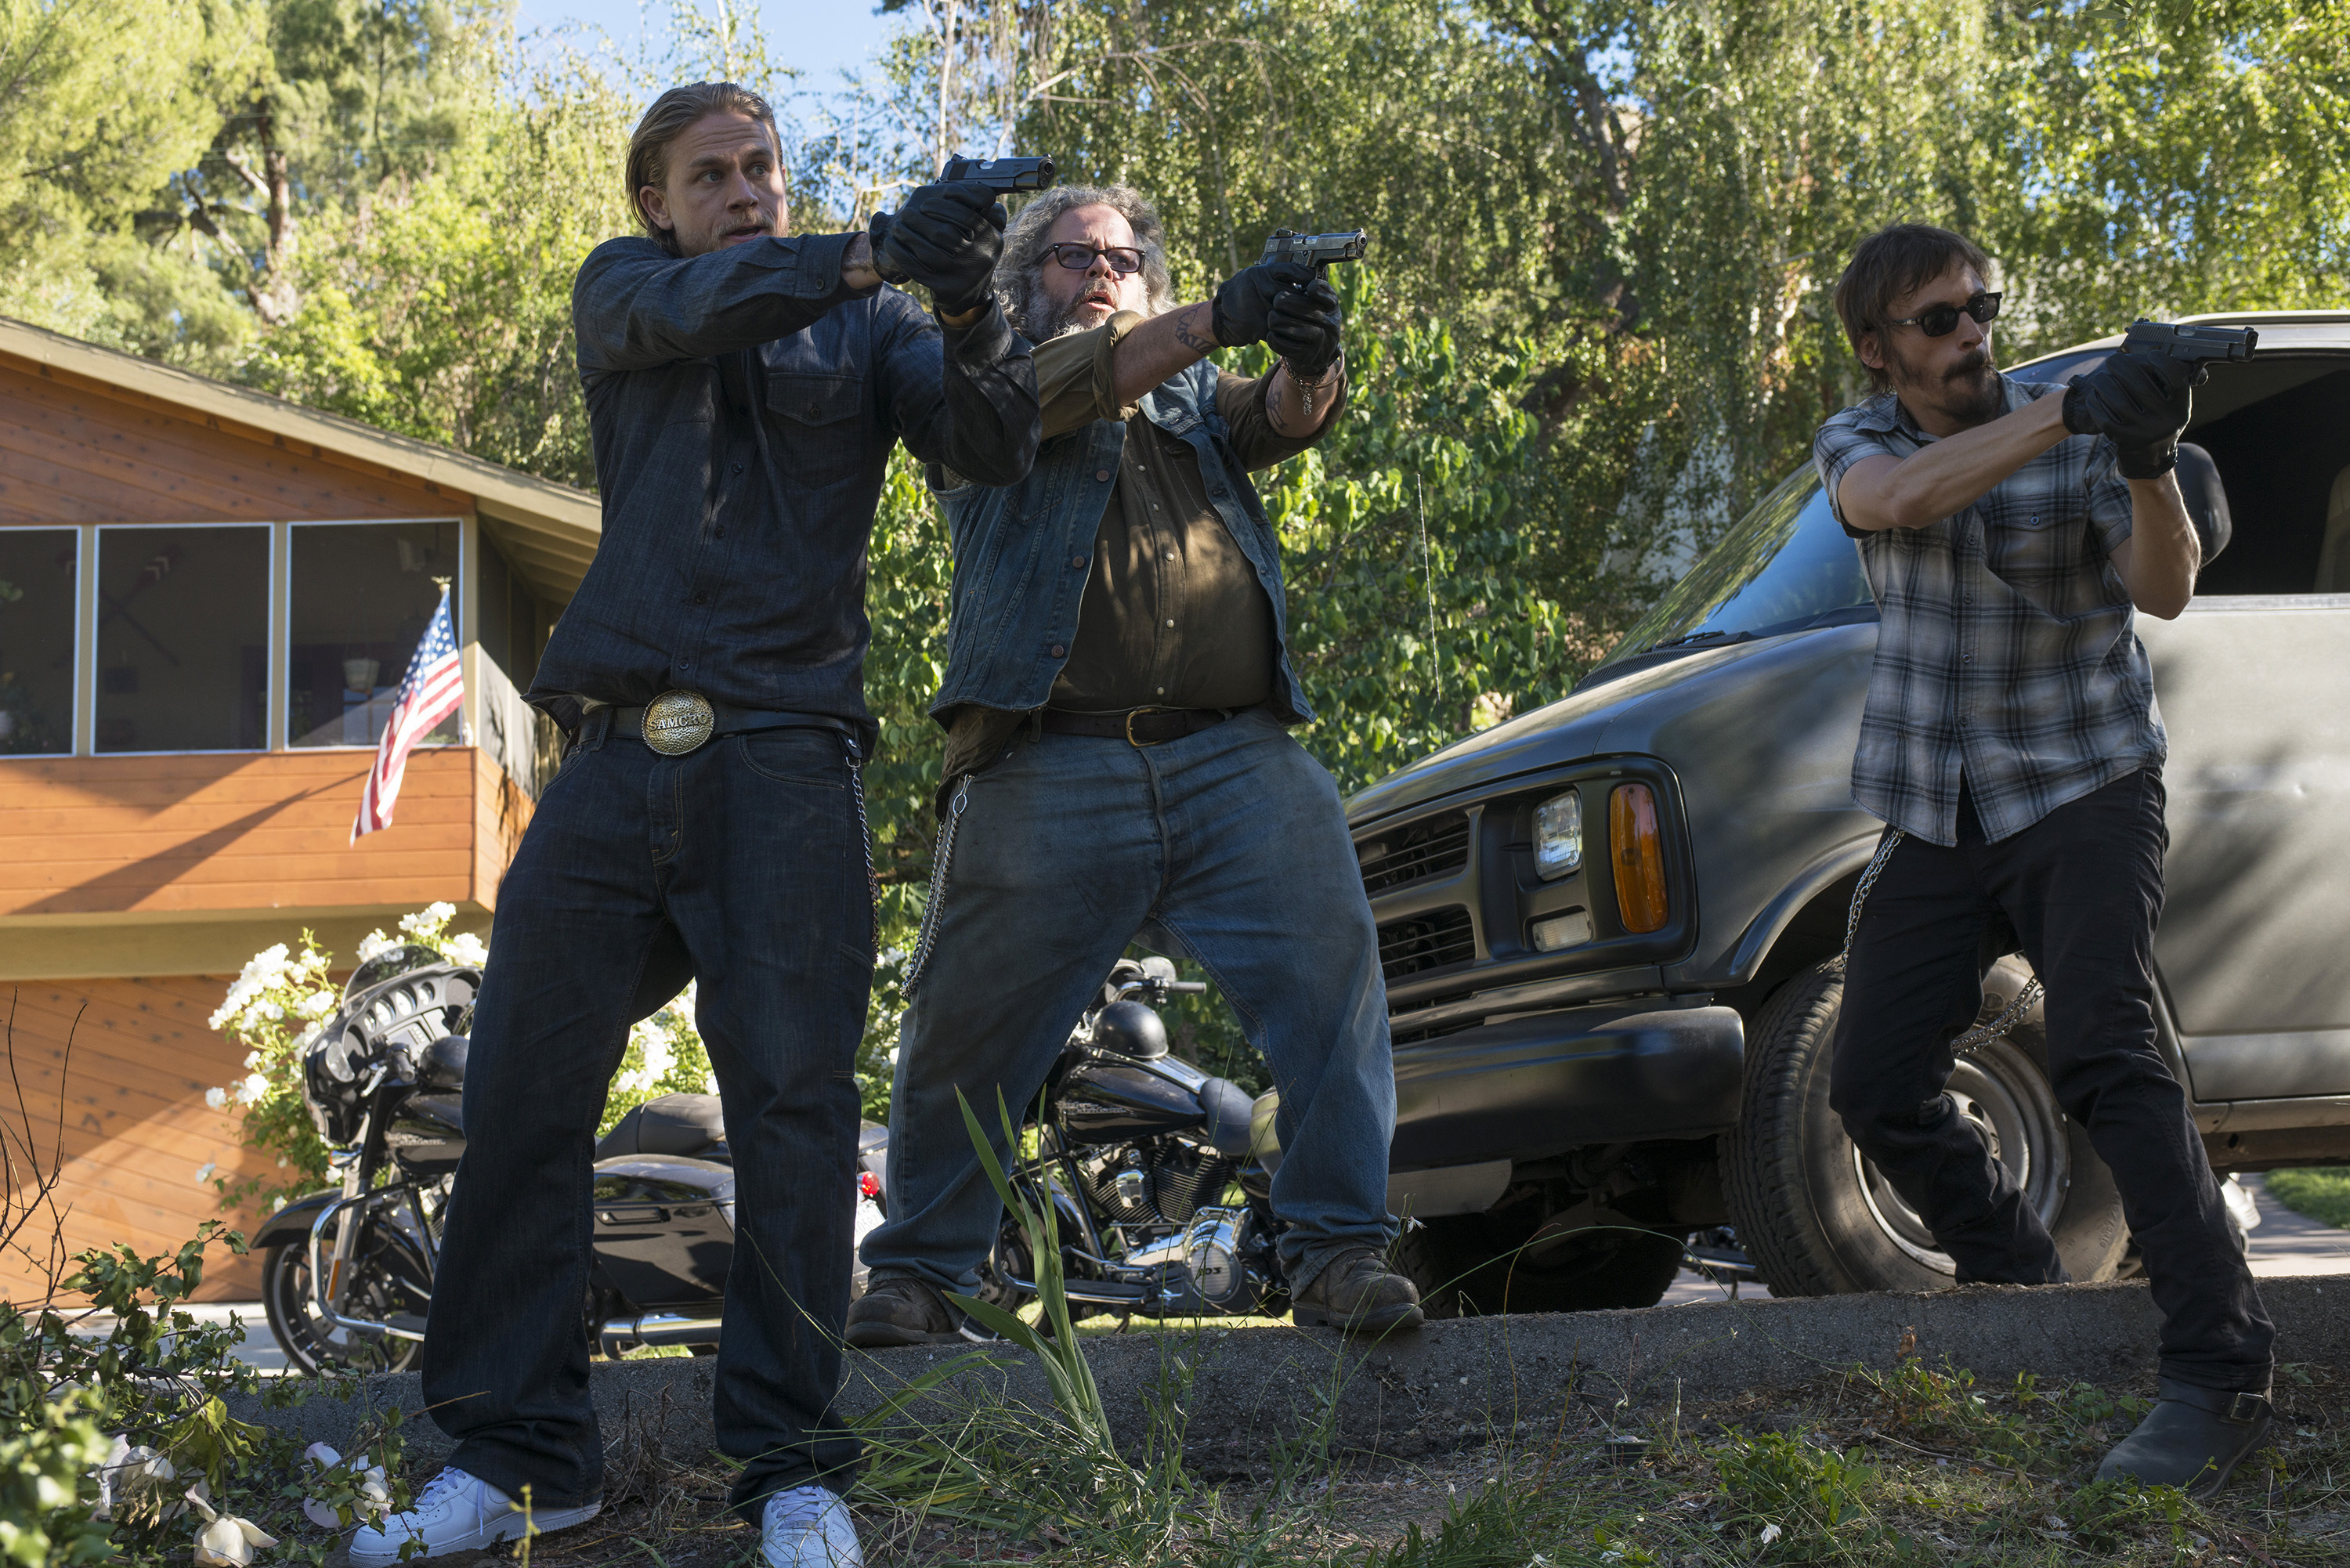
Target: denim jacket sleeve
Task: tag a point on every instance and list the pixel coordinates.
(961, 397)
(635, 307)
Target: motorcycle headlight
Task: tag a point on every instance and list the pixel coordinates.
(1558, 836)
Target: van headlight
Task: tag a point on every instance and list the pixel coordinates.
(1558, 836)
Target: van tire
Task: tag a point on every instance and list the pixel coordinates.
(1815, 1219)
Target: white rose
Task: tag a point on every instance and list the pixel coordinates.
(216, 1098)
(465, 948)
(254, 1087)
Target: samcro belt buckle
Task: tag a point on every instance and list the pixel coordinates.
(678, 722)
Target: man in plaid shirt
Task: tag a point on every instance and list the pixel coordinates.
(2011, 742)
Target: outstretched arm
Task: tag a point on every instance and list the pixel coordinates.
(1948, 475)
(964, 396)
(1183, 337)
(635, 307)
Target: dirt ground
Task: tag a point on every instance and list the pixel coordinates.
(1912, 1467)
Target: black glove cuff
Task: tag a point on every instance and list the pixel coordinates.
(2149, 461)
(1303, 368)
(877, 235)
(980, 301)
(1220, 325)
(2077, 418)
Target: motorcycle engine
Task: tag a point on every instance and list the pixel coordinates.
(1156, 1187)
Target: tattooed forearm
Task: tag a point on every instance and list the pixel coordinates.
(1200, 343)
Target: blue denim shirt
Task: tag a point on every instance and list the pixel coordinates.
(742, 406)
(1022, 552)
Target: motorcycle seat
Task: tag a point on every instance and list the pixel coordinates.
(673, 1123)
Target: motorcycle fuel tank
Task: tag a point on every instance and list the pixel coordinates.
(1117, 1101)
(665, 1229)
(427, 1134)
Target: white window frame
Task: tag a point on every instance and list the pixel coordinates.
(86, 659)
(280, 591)
(281, 628)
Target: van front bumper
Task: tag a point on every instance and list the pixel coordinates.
(1530, 1086)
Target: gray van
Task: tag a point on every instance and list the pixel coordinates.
(1611, 926)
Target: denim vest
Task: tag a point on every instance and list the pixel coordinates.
(1022, 552)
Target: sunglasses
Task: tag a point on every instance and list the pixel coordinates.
(1941, 320)
(1078, 258)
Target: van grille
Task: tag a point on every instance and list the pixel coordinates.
(1427, 941)
(1430, 848)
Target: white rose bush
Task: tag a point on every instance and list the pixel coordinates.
(285, 993)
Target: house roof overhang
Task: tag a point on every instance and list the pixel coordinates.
(548, 531)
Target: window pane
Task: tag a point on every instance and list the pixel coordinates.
(36, 639)
(182, 638)
(363, 594)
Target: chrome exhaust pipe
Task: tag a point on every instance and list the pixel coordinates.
(656, 1328)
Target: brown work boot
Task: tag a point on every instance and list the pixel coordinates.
(898, 1309)
(1357, 1293)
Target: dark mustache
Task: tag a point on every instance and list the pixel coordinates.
(1976, 361)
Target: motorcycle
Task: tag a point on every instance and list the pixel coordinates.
(1160, 1176)
(347, 1273)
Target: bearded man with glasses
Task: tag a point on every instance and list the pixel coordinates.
(1118, 700)
(2012, 744)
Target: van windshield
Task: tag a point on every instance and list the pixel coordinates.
(1784, 567)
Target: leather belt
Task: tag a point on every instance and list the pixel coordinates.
(677, 723)
(1139, 726)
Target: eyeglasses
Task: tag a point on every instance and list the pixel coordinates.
(1122, 261)
(1941, 320)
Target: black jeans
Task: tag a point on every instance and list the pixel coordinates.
(2080, 890)
(743, 865)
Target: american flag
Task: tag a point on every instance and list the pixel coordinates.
(430, 692)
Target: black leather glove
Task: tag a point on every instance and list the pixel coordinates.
(945, 237)
(2140, 401)
(1306, 327)
(1242, 311)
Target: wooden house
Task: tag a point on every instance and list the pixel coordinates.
(207, 597)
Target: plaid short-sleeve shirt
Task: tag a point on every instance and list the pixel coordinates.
(2006, 649)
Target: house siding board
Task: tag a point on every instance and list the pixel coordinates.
(96, 835)
(75, 451)
(135, 1128)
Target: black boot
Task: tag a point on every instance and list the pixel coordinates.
(897, 1309)
(2193, 1438)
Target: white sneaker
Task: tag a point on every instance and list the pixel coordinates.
(458, 1513)
(808, 1527)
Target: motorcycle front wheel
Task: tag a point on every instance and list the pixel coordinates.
(389, 1277)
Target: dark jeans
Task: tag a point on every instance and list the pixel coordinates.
(2081, 891)
(741, 863)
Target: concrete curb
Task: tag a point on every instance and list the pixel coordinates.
(1252, 1390)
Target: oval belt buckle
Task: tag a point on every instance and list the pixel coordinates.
(678, 722)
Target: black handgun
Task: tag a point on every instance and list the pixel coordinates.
(2196, 345)
(1004, 175)
(1316, 251)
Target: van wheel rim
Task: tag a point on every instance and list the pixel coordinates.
(2013, 1108)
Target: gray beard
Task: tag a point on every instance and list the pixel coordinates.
(1060, 322)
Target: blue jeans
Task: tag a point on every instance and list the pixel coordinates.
(741, 863)
(1228, 846)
